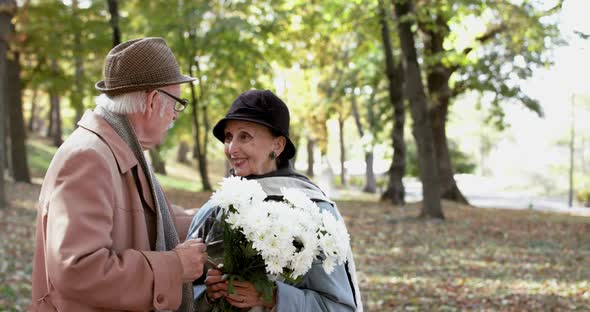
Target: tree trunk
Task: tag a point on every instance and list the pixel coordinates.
(310, 156)
(7, 162)
(370, 182)
(20, 169)
(371, 186)
(77, 97)
(356, 115)
(7, 10)
(198, 149)
(438, 75)
(158, 163)
(395, 187)
(56, 134)
(114, 11)
(49, 129)
(195, 119)
(572, 146)
(204, 114)
(422, 129)
(56, 120)
(448, 185)
(342, 151)
(181, 155)
(31, 126)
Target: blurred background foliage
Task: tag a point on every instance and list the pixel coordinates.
(326, 59)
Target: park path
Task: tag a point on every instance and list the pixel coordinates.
(481, 192)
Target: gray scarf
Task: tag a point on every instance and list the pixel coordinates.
(166, 237)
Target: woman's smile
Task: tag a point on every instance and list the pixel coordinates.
(238, 162)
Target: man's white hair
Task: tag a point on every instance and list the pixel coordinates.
(126, 103)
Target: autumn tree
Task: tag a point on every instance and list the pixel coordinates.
(113, 6)
(421, 127)
(341, 42)
(514, 40)
(225, 46)
(393, 70)
(7, 10)
(16, 122)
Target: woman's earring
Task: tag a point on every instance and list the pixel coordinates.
(272, 155)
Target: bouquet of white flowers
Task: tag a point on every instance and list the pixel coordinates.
(269, 240)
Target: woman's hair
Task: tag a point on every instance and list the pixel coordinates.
(126, 103)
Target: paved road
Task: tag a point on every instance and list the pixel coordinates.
(481, 192)
(486, 193)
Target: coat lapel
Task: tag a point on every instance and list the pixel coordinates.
(123, 154)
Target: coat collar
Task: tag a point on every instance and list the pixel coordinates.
(121, 151)
(123, 154)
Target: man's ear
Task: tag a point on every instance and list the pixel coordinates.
(150, 103)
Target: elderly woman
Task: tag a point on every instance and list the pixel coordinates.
(255, 132)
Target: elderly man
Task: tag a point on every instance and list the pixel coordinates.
(107, 237)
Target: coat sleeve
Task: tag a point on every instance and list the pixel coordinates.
(318, 291)
(81, 262)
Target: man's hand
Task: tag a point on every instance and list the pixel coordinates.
(193, 255)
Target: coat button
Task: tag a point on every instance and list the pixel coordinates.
(160, 299)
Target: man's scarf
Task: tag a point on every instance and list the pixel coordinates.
(166, 237)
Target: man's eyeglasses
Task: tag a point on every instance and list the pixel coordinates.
(180, 104)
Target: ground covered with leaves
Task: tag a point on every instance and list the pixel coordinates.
(478, 259)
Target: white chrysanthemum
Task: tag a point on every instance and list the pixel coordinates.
(335, 243)
(255, 220)
(298, 199)
(273, 266)
(283, 228)
(265, 242)
(329, 265)
(238, 192)
(307, 221)
(303, 259)
(273, 227)
(234, 219)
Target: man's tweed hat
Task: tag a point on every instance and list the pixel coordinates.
(140, 64)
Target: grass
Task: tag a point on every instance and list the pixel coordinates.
(39, 156)
(183, 177)
(177, 183)
(478, 259)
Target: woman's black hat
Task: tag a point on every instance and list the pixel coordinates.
(262, 107)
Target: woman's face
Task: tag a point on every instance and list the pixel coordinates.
(248, 146)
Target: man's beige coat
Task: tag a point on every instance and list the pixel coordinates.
(95, 230)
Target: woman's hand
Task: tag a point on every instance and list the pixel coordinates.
(216, 286)
(244, 295)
